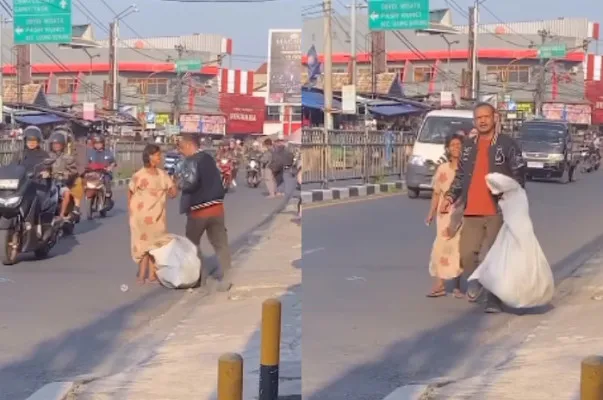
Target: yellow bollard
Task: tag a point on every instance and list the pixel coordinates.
(230, 377)
(591, 378)
(271, 349)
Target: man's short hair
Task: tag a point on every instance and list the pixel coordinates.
(193, 138)
(483, 104)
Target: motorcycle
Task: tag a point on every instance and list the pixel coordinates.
(96, 192)
(253, 173)
(591, 161)
(21, 230)
(68, 225)
(226, 167)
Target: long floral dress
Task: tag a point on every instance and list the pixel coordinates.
(445, 262)
(148, 222)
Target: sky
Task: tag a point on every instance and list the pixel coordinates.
(247, 24)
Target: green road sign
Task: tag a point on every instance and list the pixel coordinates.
(392, 15)
(188, 65)
(42, 21)
(552, 51)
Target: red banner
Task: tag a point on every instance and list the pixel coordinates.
(594, 94)
(244, 113)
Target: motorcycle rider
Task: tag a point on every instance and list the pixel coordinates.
(33, 159)
(255, 153)
(64, 169)
(99, 155)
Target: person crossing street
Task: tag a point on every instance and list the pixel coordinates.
(485, 153)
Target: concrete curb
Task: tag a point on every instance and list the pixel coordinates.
(53, 391)
(343, 193)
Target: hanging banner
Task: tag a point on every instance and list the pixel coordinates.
(348, 99)
(244, 114)
(209, 124)
(284, 67)
(163, 119)
(579, 114)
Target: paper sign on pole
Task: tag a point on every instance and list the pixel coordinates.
(88, 111)
(348, 97)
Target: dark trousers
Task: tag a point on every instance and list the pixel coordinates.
(477, 235)
(218, 238)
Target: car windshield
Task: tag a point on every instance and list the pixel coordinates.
(436, 129)
(540, 132)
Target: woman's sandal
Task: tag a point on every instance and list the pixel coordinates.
(458, 294)
(441, 292)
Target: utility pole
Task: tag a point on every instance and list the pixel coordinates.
(354, 78)
(176, 106)
(328, 66)
(449, 44)
(473, 50)
(540, 84)
(113, 73)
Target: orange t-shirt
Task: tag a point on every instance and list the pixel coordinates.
(479, 198)
(217, 210)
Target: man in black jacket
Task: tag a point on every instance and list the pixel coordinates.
(203, 203)
(485, 153)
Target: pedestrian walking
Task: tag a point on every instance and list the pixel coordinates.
(267, 173)
(445, 261)
(488, 152)
(203, 204)
(148, 191)
(281, 166)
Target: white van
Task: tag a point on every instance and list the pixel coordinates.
(429, 146)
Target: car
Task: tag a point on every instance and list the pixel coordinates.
(549, 149)
(428, 149)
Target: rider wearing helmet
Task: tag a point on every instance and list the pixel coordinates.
(99, 155)
(33, 155)
(64, 168)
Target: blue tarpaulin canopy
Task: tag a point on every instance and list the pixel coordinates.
(316, 100)
(38, 119)
(392, 110)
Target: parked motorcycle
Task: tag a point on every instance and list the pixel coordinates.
(253, 173)
(99, 200)
(226, 167)
(21, 230)
(68, 225)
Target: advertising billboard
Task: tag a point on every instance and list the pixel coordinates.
(284, 67)
(578, 114)
(594, 94)
(244, 113)
(208, 124)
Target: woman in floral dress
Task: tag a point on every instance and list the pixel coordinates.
(147, 198)
(445, 261)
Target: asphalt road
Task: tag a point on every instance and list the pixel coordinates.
(368, 327)
(65, 316)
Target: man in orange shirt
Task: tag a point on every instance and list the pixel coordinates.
(202, 202)
(487, 152)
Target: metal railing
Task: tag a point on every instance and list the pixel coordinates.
(353, 155)
(127, 154)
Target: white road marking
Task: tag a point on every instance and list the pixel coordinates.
(411, 392)
(311, 251)
(6, 280)
(355, 278)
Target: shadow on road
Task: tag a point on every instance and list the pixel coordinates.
(72, 353)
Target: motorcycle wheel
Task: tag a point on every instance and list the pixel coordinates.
(68, 229)
(102, 213)
(90, 214)
(11, 248)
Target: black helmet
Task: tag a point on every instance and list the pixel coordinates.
(58, 136)
(32, 132)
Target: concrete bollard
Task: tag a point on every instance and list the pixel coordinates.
(230, 377)
(271, 349)
(591, 378)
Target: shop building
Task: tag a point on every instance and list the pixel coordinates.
(508, 62)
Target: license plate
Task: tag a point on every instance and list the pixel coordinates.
(535, 164)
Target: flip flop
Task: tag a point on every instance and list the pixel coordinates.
(437, 293)
(458, 294)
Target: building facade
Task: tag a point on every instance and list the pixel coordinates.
(508, 63)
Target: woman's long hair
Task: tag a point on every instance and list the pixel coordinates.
(148, 151)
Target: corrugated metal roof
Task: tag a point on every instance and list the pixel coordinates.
(196, 42)
(567, 27)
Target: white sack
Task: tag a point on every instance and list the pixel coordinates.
(515, 269)
(178, 264)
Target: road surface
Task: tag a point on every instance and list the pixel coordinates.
(66, 315)
(368, 327)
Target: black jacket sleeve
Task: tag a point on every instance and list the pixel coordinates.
(456, 187)
(189, 177)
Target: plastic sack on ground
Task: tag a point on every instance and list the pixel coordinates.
(515, 269)
(178, 263)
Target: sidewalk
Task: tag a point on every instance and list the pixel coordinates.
(184, 367)
(547, 363)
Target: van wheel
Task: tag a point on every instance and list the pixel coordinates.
(413, 193)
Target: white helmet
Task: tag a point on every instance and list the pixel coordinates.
(255, 143)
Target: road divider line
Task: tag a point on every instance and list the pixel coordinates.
(352, 201)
